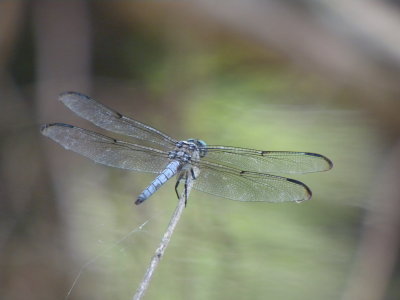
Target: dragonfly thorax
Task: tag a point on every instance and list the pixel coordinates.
(180, 155)
(186, 151)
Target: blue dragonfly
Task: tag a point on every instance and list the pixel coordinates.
(234, 173)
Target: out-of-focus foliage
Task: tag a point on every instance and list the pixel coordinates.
(189, 76)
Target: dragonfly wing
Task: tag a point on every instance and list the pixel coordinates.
(108, 119)
(268, 161)
(105, 150)
(249, 186)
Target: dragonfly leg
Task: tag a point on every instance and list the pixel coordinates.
(183, 175)
(192, 173)
(177, 184)
(186, 187)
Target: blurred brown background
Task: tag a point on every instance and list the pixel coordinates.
(317, 76)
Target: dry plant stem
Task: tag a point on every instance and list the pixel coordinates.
(163, 244)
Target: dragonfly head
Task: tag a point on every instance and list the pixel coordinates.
(201, 145)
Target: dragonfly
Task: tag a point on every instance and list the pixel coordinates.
(234, 173)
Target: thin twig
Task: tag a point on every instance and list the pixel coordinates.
(164, 242)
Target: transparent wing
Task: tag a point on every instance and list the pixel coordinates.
(248, 186)
(111, 120)
(105, 150)
(268, 161)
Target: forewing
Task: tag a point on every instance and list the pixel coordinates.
(108, 119)
(268, 161)
(249, 186)
(105, 150)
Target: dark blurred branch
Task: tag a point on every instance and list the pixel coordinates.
(63, 39)
(11, 13)
(63, 45)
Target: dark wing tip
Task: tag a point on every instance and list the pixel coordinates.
(327, 160)
(308, 193)
(65, 95)
(44, 127)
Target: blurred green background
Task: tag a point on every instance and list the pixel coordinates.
(274, 75)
